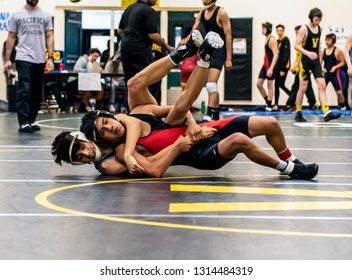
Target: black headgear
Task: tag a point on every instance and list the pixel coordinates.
(268, 26)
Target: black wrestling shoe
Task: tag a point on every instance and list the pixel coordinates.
(328, 116)
(297, 161)
(299, 117)
(304, 171)
(189, 49)
(212, 41)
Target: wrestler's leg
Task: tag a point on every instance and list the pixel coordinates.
(241, 143)
(196, 81)
(270, 128)
(138, 93)
(191, 92)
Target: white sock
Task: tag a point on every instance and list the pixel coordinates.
(281, 166)
(289, 168)
(291, 158)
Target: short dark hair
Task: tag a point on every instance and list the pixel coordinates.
(315, 12)
(331, 36)
(88, 124)
(61, 146)
(94, 50)
(268, 26)
(280, 25)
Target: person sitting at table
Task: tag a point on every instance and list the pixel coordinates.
(85, 64)
(114, 65)
(56, 85)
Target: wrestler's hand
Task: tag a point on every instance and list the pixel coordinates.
(228, 64)
(194, 132)
(269, 74)
(133, 166)
(312, 55)
(184, 143)
(349, 72)
(207, 132)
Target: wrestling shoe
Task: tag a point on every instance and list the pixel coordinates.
(300, 170)
(212, 41)
(304, 171)
(299, 117)
(328, 116)
(297, 161)
(189, 49)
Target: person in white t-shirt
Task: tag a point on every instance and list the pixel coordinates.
(33, 28)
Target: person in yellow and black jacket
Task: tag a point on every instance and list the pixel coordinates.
(283, 64)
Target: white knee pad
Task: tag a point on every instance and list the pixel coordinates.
(212, 87)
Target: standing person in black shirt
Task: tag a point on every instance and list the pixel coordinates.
(308, 43)
(139, 30)
(215, 18)
(333, 61)
(283, 64)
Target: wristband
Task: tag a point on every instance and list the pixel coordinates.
(50, 57)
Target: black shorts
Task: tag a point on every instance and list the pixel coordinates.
(310, 66)
(205, 154)
(218, 59)
(335, 79)
(262, 74)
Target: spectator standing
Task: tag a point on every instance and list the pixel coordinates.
(332, 62)
(138, 30)
(33, 28)
(271, 53)
(283, 64)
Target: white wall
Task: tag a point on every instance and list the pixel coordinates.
(289, 13)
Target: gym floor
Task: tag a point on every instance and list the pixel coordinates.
(242, 211)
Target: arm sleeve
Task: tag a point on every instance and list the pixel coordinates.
(151, 21)
(287, 54)
(12, 24)
(81, 64)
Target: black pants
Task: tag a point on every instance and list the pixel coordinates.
(133, 63)
(280, 83)
(291, 101)
(29, 90)
(55, 88)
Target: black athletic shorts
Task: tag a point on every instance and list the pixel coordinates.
(205, 154)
